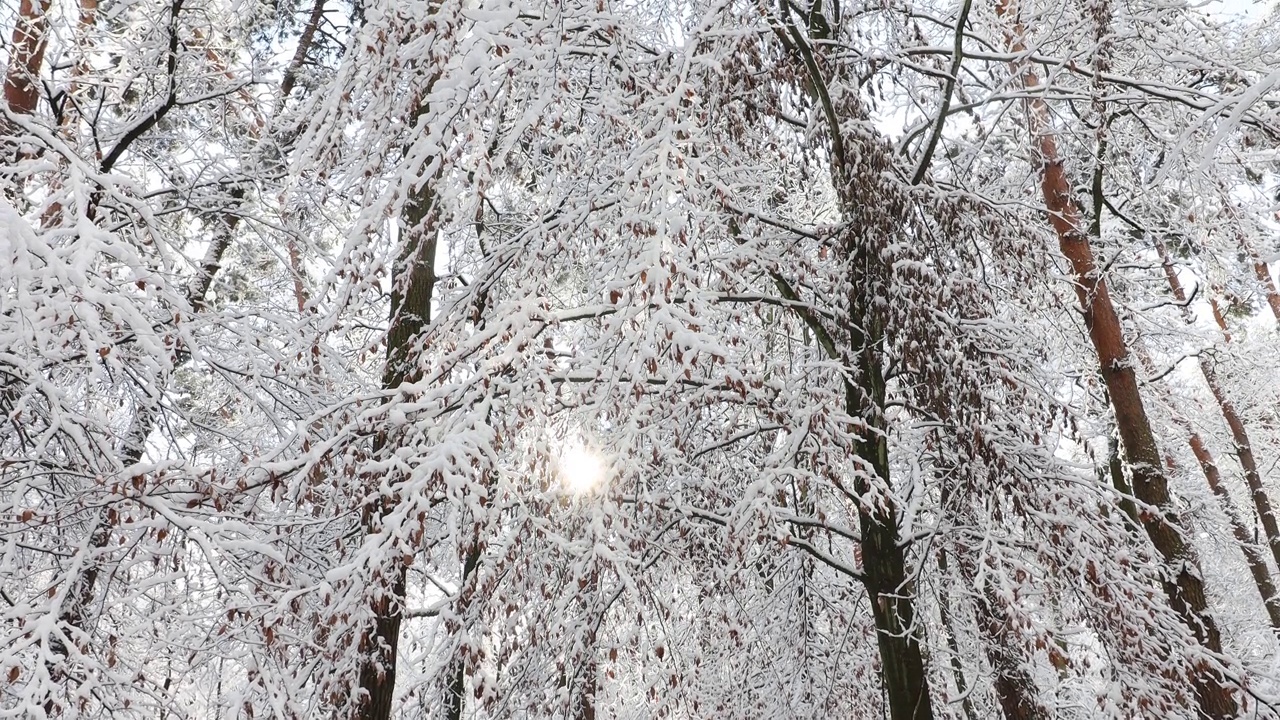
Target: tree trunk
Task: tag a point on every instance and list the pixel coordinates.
(26, 56)
(1014, 686)
(1115, 468)
(1183, 585)
(455, 696)
(884, 562)
(1268, 284)
(948, 627)
(21, 89)
(1239, 434)
(1252, 556)
(413, 285)
(1013, 683)
(1263, 273)
(883, 556)
(300, 55)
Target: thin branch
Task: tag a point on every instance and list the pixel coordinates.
(957, 57)
(170, 100)
(428, 612)
(819, 89)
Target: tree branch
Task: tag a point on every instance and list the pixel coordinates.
(957, 57)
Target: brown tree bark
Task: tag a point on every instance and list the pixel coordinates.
(884, 560)
(455, 695)
(300, 55)
(1184, 586)
(1253, 558)
(1013, 683)
(21, 77)
(948, 628)
(1263, 272)
(1239, 434)
(26, 56)
(84, 40)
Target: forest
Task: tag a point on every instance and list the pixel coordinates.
(639, 359)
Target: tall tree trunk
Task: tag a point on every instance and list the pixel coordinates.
(1253, 557)
(1263, 274)
(26, 56)
(1115, 468)
(300, 55)
(133, 443)
(1014, 687)
(455, 695)
(884, 564)
(1013, 683)
(413, 286)
(1183, 584)
(1239, 434)
(1261, 271)
(21, 92)
(883, 555)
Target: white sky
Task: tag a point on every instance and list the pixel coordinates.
(1251, 9)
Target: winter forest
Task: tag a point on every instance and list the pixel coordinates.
(623, 359)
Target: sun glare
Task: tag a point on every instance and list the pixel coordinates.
(581, 470)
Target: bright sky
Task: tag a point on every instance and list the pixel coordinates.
(1251, 9)
(581, 469)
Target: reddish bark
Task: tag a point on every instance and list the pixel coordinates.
(1263, 273)
(1239, 434)
(1184, 588)
(300, 55)
(30, 38)
(1252, 557)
